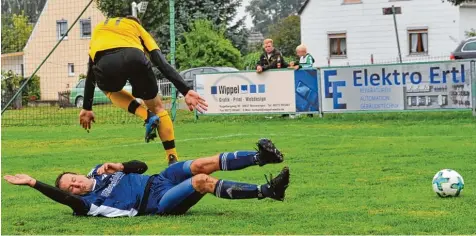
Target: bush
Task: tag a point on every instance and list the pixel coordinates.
(11, 82)
(205, 46)
(250, 60)
(470, 33)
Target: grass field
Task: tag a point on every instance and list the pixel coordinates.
(350, 174)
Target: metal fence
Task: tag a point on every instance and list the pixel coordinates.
(57, 55)
(63, 109)
(165, 88)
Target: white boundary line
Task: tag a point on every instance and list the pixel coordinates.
(130, 145)
(238, 135)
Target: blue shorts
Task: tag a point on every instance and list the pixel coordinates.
(171, 192)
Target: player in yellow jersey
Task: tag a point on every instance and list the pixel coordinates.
(119, 51)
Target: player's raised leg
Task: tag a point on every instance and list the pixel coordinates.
(275, 188)
(144, 86)
(228, 161)
(183, 196)
(126, 101)
(165, 128)
(167, 135)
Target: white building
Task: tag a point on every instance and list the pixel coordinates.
(349, 32)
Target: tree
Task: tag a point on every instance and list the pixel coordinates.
(286, 34)
(205, 46)
(15, 32)
(238, 34)
(11, 82)
(157, 13)
(268, 12)
(156, 19)
(470, 33)
(31, 8)
(220, 12)
(458, 2)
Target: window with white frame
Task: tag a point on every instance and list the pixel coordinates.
(70, 69)
(418, 41)
(61, 29)
(337, 45)
(85, 27)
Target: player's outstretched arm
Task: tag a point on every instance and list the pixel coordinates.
(192, 98)
(73, 201)
(20, 179)
(160, 62)
(138, 167)
(89, 87)
(158, 59)
(86, 116)
(134, 166)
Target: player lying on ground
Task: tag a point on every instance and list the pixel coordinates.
(119, 51)
(121, 189)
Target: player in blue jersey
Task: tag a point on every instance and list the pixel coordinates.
(121, 189)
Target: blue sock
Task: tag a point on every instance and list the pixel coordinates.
(233, 190)
(237, 160)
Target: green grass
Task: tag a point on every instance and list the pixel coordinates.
(350, 174)
(53, 115)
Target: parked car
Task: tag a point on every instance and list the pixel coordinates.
(77, 94)
(189, 74)
(465, 50)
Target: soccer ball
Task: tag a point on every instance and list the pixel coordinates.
(448, 183)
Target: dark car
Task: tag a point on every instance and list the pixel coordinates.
(189, 75)
(465, 50)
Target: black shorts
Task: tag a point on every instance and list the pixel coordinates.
(113, 68)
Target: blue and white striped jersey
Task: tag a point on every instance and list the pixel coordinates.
(114, 195)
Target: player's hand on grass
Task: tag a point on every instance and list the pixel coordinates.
(110, 168)
(20, 179)
(85, 119)
(195, 101)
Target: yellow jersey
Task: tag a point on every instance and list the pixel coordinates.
(120, 33)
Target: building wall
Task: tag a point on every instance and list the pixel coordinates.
(54, 75)
(13, 63)
(467, 19)
(369, 32)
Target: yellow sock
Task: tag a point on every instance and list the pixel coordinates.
(166, 134)
(126, 101)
